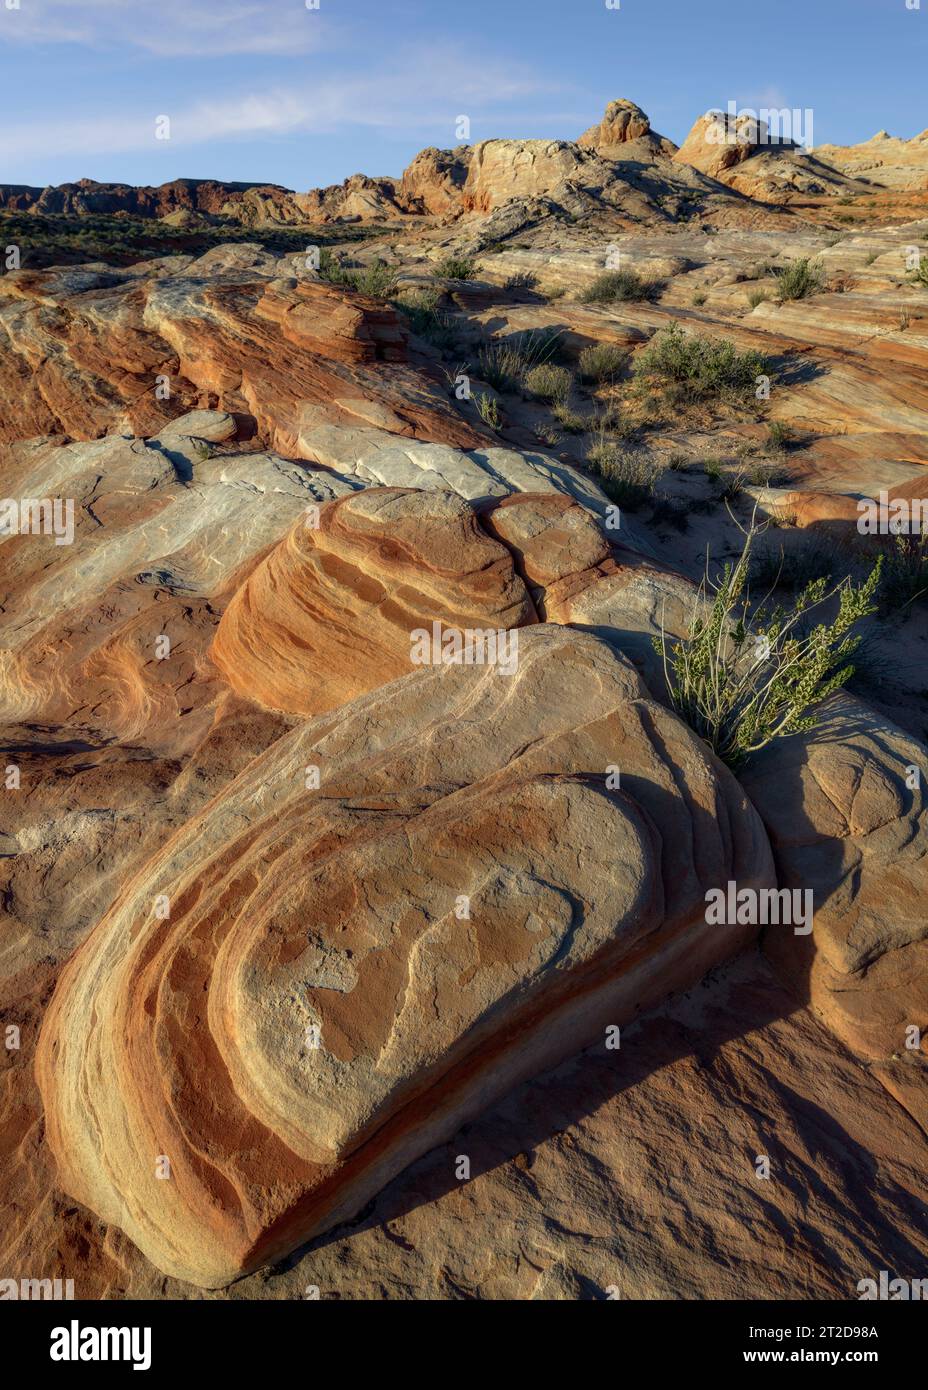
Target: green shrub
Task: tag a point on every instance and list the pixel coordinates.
(627, 478)
(756, 297)
(601, 362)
(501, 364)
(800, 278)
(571, 421)
(539, 345)
(457, 268)
(546, 434)
(793, 569)
(699, 298)
(520, 280)
(421, 309)
(741, 680)
(377, 280)
(548, 382)
(779, 436)
(488, 410)
(618, 285)
(703, 367)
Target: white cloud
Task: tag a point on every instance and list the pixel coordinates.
(419, 92)
(169, 28)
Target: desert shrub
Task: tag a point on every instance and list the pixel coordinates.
(779, 436)
(799, 279)
(420, 307)
(614, 419)
(699, 298)
(615, 285)
(666, 511)
(427, 320)
(548, 382)
(703, 367)
(919, 276)
(626, 477)
(546, 434)
(488, 410)
(756, 297)
(742, 679)
(570, 420)
(793, 568)
(377, 280)
(906, 573)
(501, 364)
(601, 362)
(506, 362)
(457, 268)
(539, 345)
(520, 280)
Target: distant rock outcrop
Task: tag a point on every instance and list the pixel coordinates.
(884, 159)
(624, 123)
(743, 152)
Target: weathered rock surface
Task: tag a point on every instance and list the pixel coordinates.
(845, 809)
(425, 1014)
(91, 350)
(331, 612)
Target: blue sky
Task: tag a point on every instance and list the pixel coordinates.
(271, 90)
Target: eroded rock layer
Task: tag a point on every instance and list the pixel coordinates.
(352, 971)
(331, 611)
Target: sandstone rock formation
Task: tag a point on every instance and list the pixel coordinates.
(94, 350)
(86, 196)
(425, 1011)
(884, 160)
(761, 162)
(234, 810)
(378, 566)
(859, 846)
(624, 124)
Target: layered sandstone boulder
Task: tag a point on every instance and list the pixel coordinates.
(845, 808)
(318, 979)
(331, 611)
